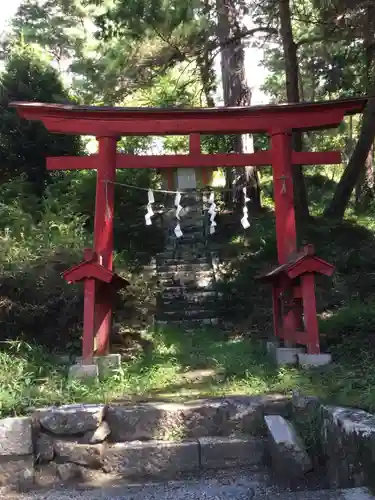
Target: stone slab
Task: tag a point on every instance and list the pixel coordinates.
(223, 452)
(314, 360)
(286, 355)
(288, 454)
(15, 436)
(80, 454)
(211, 417)
(18, 472)
(152, 458)
(89, 373)
(107, 365)
(71, 419)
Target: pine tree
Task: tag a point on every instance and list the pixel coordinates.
(24, 145)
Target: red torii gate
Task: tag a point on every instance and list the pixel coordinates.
(107, 124)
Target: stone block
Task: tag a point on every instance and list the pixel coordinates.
(152, 458)
(80, 454)
(348, 444)
(89, 373)
(44, 448)
(288, 454)
(286, 355)
(15, 436)
(213, 417)
(71, 419)
(107, 365)
(96, 436)
(222, 452)
(68, 472)
(19, 473)
(314, 360)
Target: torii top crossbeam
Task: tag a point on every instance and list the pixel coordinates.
(103, 120)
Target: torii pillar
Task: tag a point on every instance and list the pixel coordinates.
(103, 233)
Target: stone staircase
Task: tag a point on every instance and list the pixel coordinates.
(234, 448)
(185, 272)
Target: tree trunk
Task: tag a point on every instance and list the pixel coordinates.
(205, 64)
(293, 95)
(236, 92)
(356, 164)
(359, 172)
(364, 190)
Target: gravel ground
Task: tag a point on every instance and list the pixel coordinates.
(224, 486)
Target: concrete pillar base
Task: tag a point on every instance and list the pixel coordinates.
(88, 373)
(284, 355)
(106, 364)
(314, 360)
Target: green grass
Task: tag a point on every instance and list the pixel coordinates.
(181, 366)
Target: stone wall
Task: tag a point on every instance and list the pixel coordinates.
(74, 442)
(342, 439)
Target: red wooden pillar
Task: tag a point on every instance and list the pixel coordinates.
(88, 321)
(309, 308)
(276, 310)
(281, 153)
(103, 236)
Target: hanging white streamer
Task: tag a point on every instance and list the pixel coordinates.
(212, 212)
(245, 220)
(150, 212)
(177, 230)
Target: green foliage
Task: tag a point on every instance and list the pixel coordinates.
(24, 145)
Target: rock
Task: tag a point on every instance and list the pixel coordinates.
(97, 436)
(288, 454)
(19, 473)
(222, 452)
(44, 448)
(72, 419)
(80, 454)
(46, 475)
(348, 444)
(152, 458)
(15, 436)
(68, 472)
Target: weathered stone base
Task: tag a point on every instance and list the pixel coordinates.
(89, 373)
(284, 355)
(107, 365)
(314, 360)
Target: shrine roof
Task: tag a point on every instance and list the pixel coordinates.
(295, 265)
(92, 120)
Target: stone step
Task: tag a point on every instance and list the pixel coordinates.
(217, 416)
(187, 282)
(191, 259)
(168, 458)
(188, 324)
(185, 314)
(180, 303)
(176, 294)
(188, 275)
(191, 267)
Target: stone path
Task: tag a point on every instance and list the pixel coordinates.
(227, 485)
